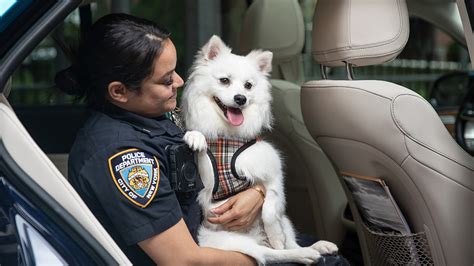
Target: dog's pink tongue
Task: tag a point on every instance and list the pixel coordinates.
(235, 116)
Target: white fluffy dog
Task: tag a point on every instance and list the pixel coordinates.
(227, 99)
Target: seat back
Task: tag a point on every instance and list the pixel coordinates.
(377, 128)
(311, 182)
(41, 172)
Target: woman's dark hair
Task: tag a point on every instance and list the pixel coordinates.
(118, 47)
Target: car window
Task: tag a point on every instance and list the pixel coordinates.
(16, 17)
(449, 90)
(428, 55)
(33, 81)
(52, 118)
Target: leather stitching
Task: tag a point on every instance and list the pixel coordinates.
(434, 170)
(398, 124)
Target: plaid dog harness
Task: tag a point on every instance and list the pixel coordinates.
(223, 154)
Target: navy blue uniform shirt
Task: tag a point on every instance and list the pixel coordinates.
(119, 167)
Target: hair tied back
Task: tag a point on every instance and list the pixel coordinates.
(67, 81)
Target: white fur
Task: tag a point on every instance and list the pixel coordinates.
(271, 238)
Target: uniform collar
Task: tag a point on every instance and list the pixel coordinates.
(152, 126)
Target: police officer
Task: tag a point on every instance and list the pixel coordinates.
(125, 71)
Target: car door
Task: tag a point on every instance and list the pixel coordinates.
(42, 218)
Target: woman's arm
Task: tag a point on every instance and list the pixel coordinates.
(175, 246)
(241, 210)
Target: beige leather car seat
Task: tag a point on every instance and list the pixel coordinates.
(29, 157)
(315, 197)
(377, 128)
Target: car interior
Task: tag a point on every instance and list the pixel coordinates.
(26, 167)
(330, 117)
(312, 187)
(416, 162)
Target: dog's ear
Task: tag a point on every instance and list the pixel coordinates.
(263, 59)
(214, 47)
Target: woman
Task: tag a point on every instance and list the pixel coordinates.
(125, 71)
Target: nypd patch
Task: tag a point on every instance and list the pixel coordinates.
(136, 174)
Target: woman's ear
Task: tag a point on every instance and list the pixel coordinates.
(118, 92)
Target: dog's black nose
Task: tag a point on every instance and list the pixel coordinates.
(240, 99)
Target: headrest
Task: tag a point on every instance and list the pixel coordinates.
(360, 32)
(275, 25)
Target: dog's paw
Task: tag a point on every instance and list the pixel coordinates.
(325, 247)
(195, 140)
(308, 256)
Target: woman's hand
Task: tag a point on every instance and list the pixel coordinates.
(241, 210)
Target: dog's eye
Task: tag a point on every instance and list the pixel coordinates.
(248, 85)
(224, 81)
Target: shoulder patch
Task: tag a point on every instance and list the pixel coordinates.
(136, 174)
